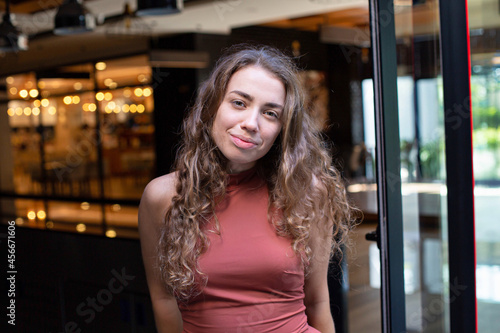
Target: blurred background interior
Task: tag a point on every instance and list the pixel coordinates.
(88, 119)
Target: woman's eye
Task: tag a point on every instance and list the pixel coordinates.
(239, 104)
(272, 114)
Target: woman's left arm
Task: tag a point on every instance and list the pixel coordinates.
(317, 299)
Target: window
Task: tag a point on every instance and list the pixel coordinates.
(81, 146)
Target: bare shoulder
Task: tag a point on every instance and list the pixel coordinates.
(160, 188)
(157, 197)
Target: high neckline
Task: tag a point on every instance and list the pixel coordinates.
(235, 179)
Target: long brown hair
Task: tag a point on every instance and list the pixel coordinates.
(303, 184)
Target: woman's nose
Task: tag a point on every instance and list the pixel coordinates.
(251, 120)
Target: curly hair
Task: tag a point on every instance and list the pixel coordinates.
(304, 187)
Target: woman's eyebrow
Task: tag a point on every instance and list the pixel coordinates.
(242, 94)
(274, 106)
(250, 98)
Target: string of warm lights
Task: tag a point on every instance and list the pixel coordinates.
(110, 107)
(27, 111)
(41, 215)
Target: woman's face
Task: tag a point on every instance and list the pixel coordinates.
(249, 118)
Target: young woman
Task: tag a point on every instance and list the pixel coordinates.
(238, 238)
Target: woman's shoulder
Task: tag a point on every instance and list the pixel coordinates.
(163, 186)
(158, 194)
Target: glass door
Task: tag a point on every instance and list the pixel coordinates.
(424, 168)
(484, 25)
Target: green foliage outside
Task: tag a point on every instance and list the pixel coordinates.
(485, 94)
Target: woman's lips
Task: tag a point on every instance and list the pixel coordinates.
(242, 143)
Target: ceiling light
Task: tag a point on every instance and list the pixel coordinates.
(158, 7)
(73, 18)
(11, 40)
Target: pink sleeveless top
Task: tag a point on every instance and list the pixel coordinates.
(255, 280)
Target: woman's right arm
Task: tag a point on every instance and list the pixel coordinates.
(155, 201)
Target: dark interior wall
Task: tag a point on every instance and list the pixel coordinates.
(77, 283)
(311, 52)
(174, 90)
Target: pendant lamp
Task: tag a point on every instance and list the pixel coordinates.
(158, 7)
(11, 39)
(73, 18)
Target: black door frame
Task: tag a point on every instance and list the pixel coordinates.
(390, 227)
(455, 66)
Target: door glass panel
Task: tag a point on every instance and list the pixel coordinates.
(423, 176)
(485, 95)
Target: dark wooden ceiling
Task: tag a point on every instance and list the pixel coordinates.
(30, 6)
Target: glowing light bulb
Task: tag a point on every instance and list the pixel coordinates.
(31, 215)
(138, 92)
(33, 93)
(41, 215)
(100, 66)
